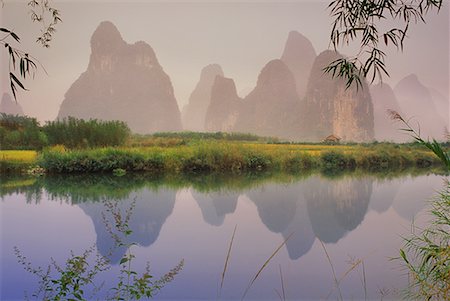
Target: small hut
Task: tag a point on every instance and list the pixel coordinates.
(333, 139)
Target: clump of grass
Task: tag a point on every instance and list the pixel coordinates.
(337, 160)
(426, 254)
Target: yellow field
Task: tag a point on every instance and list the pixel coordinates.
(25, 156)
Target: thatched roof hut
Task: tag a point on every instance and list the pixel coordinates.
(332, 139)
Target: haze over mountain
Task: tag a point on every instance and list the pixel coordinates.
(299, 56)
(271, 109)
(177, 33)
(194, 113)
(123, 82)
(225, 106)
(330, 108)
(442, 104)
(417, 105)
(293, 98)
(384, 99)
(9, 106)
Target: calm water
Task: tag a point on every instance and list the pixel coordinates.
(355, 217)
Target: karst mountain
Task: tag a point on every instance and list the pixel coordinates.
(123, 82)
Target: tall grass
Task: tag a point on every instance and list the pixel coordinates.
(232, 157)
(78, 133)
(426, 253)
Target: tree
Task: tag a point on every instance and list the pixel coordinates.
(363, 21)
(21, 64)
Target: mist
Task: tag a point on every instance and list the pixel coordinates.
(186, 36)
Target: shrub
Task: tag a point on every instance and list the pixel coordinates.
(21, 132)
(337, 160)
(79, 133)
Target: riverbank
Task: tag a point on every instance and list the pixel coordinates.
(233, 157)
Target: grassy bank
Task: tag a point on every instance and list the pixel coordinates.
(222, 157)
(17, 161)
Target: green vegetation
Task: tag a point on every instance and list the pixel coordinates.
(79, 133)
(17, 161)
(236, 158)
(426, 253)
(21, 132)
(233, 157)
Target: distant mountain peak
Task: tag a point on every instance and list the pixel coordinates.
(123, 82)
(331, 108)
(224, 107)
(299, 55)
(276, 73)
(106, 38)
(210, 72)
(194, 113)
(9, 106)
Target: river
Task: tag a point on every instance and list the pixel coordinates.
(358, 220)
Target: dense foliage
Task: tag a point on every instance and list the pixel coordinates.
(79, 133)
(21, 132)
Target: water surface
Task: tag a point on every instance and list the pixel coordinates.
(356, 217)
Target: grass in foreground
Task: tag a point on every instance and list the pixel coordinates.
(235, 157)
(224, 157)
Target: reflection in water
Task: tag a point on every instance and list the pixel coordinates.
(383, 194)
(412, 196)
(308, 208)
(276, 205)
(303, 236)
(326, 208)
(336, 206)
(282, 208)
(215, 205)
(151, 211)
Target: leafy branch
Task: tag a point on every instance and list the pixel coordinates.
(433, 145)
(360, 20)
(22, 64)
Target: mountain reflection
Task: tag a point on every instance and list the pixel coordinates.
(336, 206)
(282, 209)
(215, 205)
(412, 196)
(303, 236)
(315, 207)
(151, 211)
(383, 194)
(276, 205)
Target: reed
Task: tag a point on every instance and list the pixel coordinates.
(227, 259)
(264, 265)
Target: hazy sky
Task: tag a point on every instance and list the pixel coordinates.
(241, 36)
